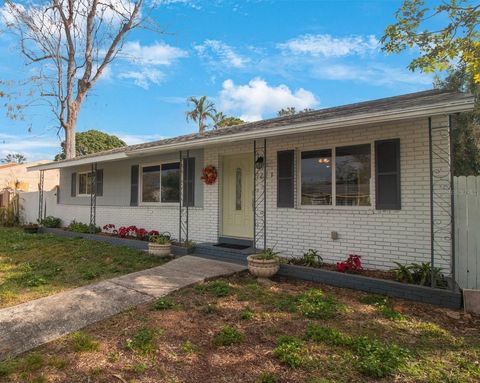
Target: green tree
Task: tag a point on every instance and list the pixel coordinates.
(466, 126)
(202, 109)
(291, 110)
(229, 121)
(456, 40)
(92, 141)
(14, 158)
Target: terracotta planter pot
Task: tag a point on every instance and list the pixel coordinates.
(262, 268)
(160, 250)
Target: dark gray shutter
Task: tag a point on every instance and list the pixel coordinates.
(73, 189)
(134, 186)
(99, 181)
(387, 174)
(189, 181)
(58, 194)
(285, 178)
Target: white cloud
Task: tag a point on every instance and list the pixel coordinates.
(133, 139)
(375, 74)
(217, 51)
(144, 77)
(155, 54)
(32, 147)
(328, 46)
(257, 98)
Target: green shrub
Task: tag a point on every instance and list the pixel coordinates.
(51, 221)
(83, 342)
(142, 341)
(290, 351)
(227, 336)
(79, 227)
(218, 288)
(315, 304)
(286, 302)
(267, 377)
(163, 304)
(247, 313)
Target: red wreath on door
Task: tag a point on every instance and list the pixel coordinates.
(209, 175)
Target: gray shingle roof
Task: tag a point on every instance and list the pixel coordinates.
(425, 98)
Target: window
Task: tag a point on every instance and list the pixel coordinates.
(151, 184)
(84, 183)
(317, 177)
(161, 183)
(353, 173)
(171, 182)
(351, 166)
(238, 189)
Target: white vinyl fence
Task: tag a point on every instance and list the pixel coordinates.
(467, 231)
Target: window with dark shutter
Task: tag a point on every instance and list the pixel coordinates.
(99, 179)
(73, 187)
(285, 178)
(387, 177)
(189, 181)
(134, 186)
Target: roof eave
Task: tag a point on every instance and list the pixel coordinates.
(448, 107)
(366, 118)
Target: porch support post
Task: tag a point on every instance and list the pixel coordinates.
(254, 204)
(93, 198)
(183, 213)
(432, 222)
(259, 195)
(452, 197)
(40, 195)
(264, 193)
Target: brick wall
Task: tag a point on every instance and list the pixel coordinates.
(380, 237)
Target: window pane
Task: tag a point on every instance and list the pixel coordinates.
(84, 183)
(353, 175)
(171, 182)
(151, 184)
(317, 177)
(238, 189)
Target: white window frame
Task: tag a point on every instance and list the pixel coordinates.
(140, 183)
(333, 148)
(78, 184)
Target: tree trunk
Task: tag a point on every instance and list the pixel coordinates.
(201, 126)
(70, 149)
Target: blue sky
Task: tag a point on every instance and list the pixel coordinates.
(251, 57)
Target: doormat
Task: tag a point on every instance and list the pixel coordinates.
(232, 246)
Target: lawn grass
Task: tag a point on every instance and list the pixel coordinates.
(237, 330)
(37, 265)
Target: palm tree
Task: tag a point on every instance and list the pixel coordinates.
(202, 110)
(218, 118)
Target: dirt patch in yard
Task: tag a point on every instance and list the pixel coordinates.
(275, 333)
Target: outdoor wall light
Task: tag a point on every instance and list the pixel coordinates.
(259, 162)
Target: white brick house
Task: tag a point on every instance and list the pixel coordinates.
(351, 179)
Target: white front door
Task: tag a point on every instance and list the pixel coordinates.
(237, 198)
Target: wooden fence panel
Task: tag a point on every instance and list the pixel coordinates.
(467, 231)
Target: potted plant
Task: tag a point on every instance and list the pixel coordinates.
(264, 264)
(160, 244)
(30, 228)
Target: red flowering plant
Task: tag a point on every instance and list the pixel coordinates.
(141, 234)
(109, 228)
(153, 232)
(122, 232)
(353, 264)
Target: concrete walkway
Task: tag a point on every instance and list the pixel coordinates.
(37, 322)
